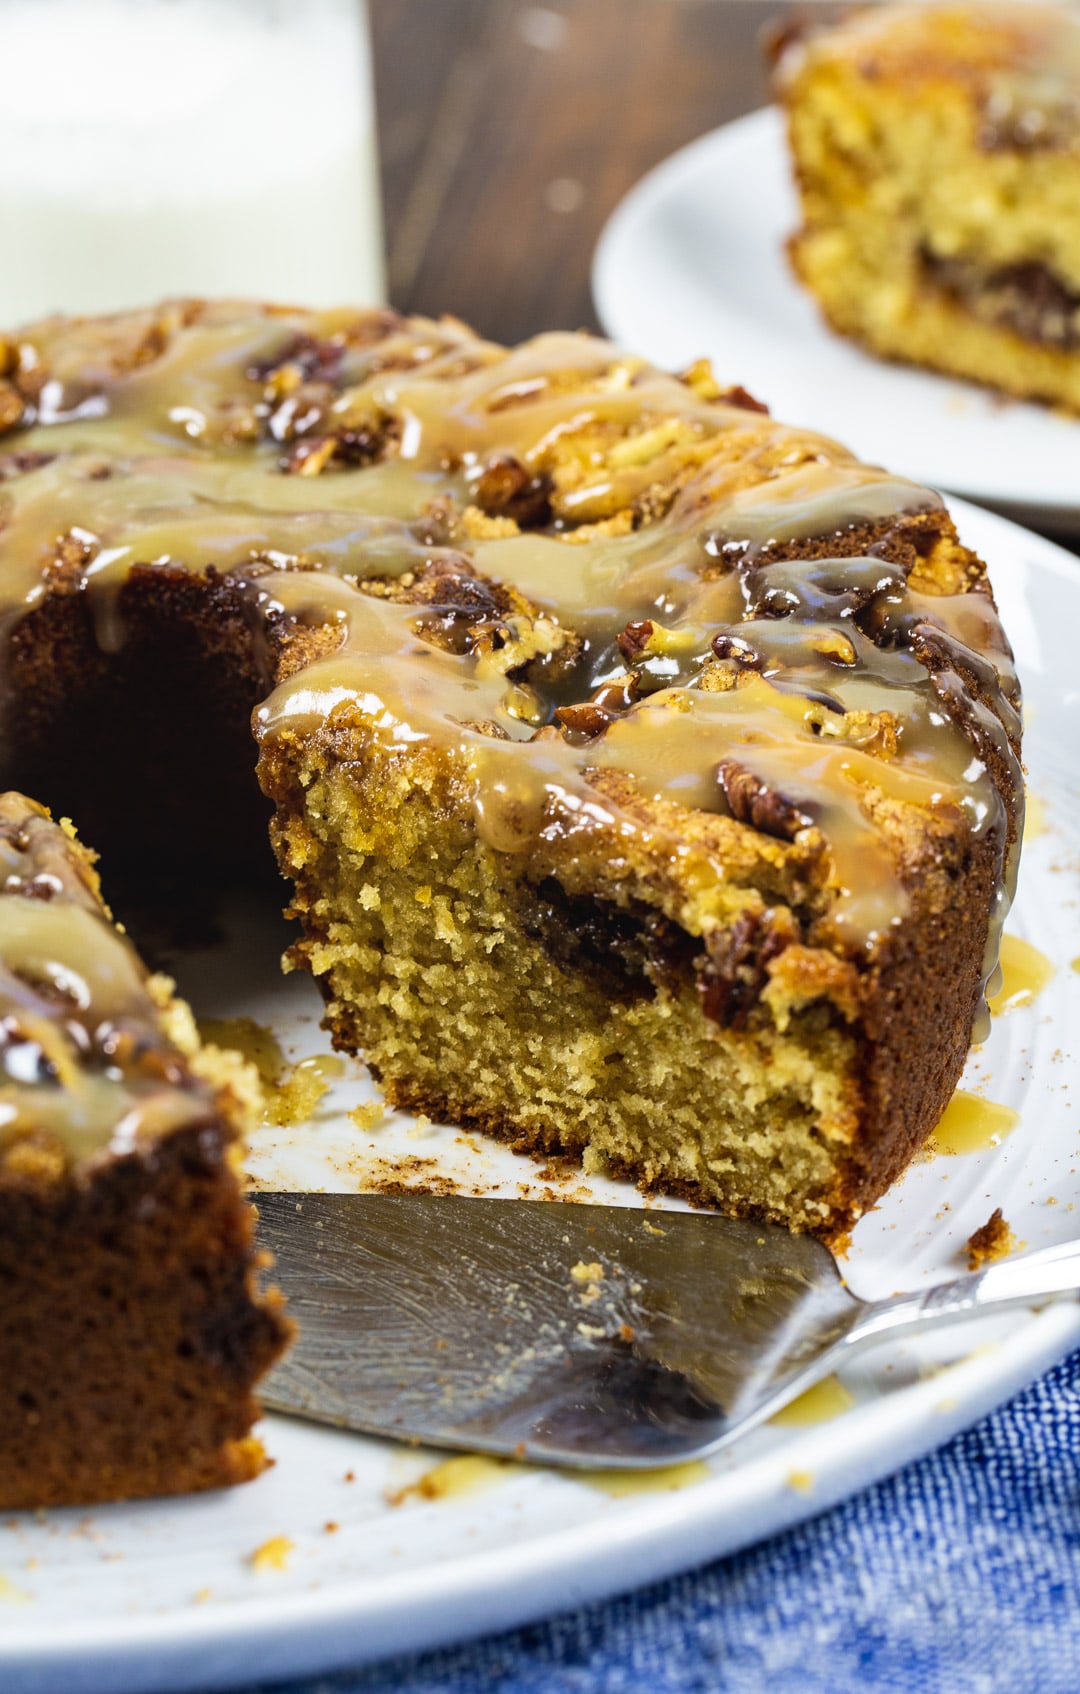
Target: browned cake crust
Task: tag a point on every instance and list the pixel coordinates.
(694, 871)
(130, 1339)
(131, 1330)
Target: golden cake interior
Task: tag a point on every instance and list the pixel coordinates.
(937, 153)
(645, 770)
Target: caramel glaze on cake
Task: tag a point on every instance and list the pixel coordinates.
(646, 770)
(131, 1333)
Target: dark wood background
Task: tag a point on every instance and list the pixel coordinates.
(509, 132)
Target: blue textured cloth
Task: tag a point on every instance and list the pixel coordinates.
(960, 1575)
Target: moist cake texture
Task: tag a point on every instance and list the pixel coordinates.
(645, 770)
(937, 154)
(131, 1332)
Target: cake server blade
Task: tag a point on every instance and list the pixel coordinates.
(575, 1335)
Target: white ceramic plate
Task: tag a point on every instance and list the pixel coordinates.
(163, 1595)
(692, 263)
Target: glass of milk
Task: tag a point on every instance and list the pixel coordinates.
(162, 147)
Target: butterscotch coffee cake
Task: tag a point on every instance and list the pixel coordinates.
(645, 770)
(937, 155)
(131, 1330)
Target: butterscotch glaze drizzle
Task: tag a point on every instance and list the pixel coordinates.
(84, 1063)
(650, 627)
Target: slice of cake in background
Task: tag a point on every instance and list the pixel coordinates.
(131, 1331)
(937, 154)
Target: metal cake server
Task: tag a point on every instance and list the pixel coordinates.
(577, 1335)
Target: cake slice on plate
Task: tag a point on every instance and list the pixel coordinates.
(937, 156)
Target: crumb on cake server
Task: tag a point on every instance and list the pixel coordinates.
(646, 770)
(937, 156)
(131, 1332)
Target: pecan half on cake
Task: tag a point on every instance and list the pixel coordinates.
(937, 155)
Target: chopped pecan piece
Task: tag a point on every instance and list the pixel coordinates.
(345, 449)
(618, 694)
(551, 670)
(835, 646)
(734, 967)
(462, 610)
(752, 801)
(450, 584)
(584, 722)
(635, 639)
(305, 354)
(435, 526)
(309, 457)
(460, 632)
(507, 490)
(357, 446)
(876, 733)
(729, 645)
(11, 406)
(738, 396)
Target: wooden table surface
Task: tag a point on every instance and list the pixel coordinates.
(509, 132)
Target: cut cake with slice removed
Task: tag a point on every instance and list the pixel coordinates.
(646, 770)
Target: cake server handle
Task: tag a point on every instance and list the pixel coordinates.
(1052, 1273)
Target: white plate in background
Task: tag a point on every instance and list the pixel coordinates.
(163, 1594)
(692, 263)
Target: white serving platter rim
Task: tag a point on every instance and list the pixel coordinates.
(270, 1637)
